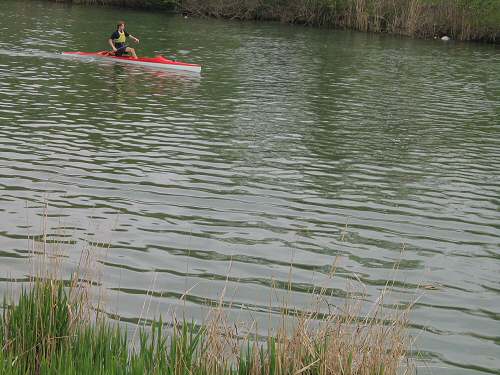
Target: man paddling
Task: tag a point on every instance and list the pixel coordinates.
(118, 38)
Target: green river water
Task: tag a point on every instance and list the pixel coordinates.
(294, 144)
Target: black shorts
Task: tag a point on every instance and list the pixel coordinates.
(121, 50)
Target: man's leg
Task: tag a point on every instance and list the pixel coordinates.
(131, 51)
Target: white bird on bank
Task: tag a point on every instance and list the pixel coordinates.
(445, 38)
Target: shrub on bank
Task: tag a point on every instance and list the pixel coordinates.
(154, 4)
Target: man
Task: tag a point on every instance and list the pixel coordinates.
(117, 41)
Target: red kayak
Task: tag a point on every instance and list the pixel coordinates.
(158, 62)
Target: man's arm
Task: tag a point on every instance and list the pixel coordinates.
(134, 38)
(110, 41)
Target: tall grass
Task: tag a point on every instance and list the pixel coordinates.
(48, 330)
(460, 19)
(53, 328)
(42, 334)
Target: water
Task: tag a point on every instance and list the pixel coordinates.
(294, 144)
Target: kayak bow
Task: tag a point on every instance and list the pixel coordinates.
(158, 62)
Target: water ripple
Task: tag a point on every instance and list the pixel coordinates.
(293, 146)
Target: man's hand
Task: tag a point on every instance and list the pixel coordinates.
(136, 40)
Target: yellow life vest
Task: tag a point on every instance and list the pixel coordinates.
(121, 38)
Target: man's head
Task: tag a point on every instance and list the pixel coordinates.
(121, 25)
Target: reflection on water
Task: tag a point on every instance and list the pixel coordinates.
(294, 144)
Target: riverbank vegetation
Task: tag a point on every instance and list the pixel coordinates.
(53, 328)
(459, 19)
(44, 333)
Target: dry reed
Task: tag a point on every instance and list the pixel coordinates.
(49, 332)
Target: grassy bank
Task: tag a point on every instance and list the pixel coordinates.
(49, 331)
(459, 19)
